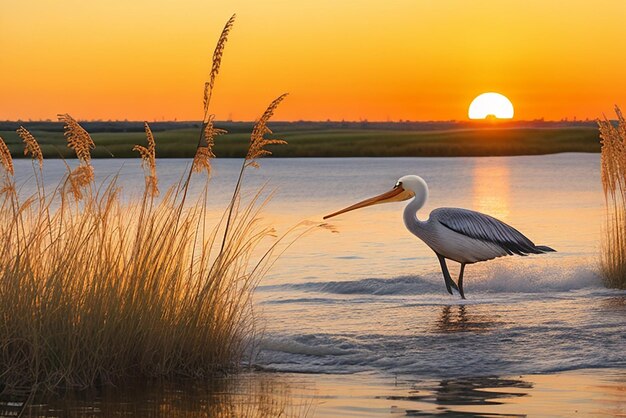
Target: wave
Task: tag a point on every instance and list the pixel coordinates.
(309, 345)
(501, 351)
(406, 285)
(499, 278)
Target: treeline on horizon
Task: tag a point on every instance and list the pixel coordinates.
(328, 139)
(96, 126)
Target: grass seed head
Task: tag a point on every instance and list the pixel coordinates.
(77, 138)
(148, 161)
(80, 178)
(5, 157)
(31, 146)
(258, 142)
(204, 152)
(80, 141)
(217, 62)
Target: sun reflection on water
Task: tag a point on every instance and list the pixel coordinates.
(491, 187)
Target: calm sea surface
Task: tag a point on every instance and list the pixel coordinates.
(370, 300)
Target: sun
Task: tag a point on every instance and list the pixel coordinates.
(491, 105)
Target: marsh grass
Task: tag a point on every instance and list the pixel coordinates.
(95, 289)
(613, 170)
(320, 140)
(98, 290)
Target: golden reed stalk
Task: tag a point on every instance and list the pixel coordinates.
(216, 64)
(204, 149)
(77, 138)
(5, 157)
(256, 150)
(148, 162)
(613, 171)
(258, 142)
(80, 141)
(31, 146)
(204, 152)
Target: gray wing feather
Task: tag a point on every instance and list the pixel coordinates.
(487, 229)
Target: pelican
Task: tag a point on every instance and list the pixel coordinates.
(460, 235)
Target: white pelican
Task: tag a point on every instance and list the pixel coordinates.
(461, 235)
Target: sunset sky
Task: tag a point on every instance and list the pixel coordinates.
(357, 59)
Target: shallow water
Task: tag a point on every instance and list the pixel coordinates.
(371, 300)
(575, 393)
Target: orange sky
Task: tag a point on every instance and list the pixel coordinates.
(339, 59)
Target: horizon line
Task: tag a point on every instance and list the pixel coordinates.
(399, 121)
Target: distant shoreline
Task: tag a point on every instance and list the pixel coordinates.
(328, 139)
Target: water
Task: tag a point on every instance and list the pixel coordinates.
(582, 393)
(370, 300)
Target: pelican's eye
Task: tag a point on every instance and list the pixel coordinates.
(398, 184)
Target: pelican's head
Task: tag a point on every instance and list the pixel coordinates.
(405, 188)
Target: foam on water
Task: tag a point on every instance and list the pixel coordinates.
(500, 278)
(541, 317)
(542, 276)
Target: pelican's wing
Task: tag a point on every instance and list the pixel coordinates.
(487, 229)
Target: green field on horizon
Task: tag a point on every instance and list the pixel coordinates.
(181, 143)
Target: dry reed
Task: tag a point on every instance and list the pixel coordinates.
(216, 64)
(204, 153)
(105, 289)
(613, 170)
(31, 146)
(256, 150)
(77, 138)
(148, 162)
(5, 157)
(204, 149)
(80, 141)
(258, 142)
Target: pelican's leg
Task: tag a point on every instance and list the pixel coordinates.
(446, 274)
(461, 281)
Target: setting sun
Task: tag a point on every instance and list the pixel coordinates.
(491, 105)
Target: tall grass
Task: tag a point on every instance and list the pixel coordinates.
(613, 168)
(94, 289)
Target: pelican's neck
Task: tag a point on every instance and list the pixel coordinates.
(410, 211)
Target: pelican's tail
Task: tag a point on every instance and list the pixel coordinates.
(545, 249)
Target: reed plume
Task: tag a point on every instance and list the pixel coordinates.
(31, 146)
(204, 152)
(77, 138)
(256, 150)
(80, 141)
(5, 157)
(613, 171)
(148, 162)
(216, 63)
(204, 149)
(258, 142)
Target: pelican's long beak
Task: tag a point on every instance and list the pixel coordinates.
(397, 194)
